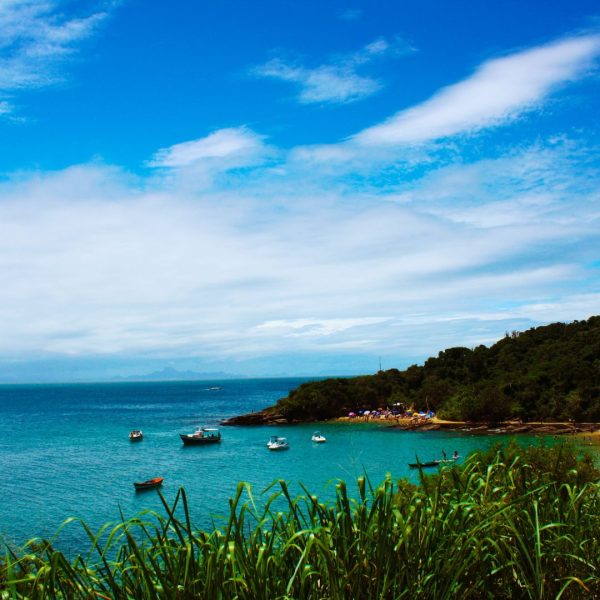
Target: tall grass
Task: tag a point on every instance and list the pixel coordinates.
(500, 526)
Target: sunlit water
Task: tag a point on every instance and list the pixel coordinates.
(64, 451)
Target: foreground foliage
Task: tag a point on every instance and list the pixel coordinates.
(509, 523)
(550, 372)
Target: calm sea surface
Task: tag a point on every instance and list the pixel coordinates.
(64, 451)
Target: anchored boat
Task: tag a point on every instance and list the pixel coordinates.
(318, 437)
(424, 465)
(148, 484)
(277, 443)
(202, 436)
(136, 435)
(434, 463)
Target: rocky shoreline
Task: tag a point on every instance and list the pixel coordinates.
(269, 417)
(511, 427)
(263, 417)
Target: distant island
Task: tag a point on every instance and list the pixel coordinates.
(549, 373)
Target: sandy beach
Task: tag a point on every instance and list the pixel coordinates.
(589, 431)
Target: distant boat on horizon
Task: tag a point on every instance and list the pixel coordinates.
(136, 435)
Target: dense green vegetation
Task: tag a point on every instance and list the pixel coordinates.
(512, 523)
(550, 372)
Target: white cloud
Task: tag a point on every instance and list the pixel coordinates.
(216, 158)
(499, 91)
(235, 145)
(335, 82)
(315, 327)
(326, 83)
(525, 185)
(570, 308)
(95, 262)
(35, 40)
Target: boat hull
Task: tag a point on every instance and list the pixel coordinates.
(277, 443)
(136, 435)
(433, 463)
(191, 440)
(148, 485)
(425, 465)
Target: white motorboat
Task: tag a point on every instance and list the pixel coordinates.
(318, 437)
(277, 443)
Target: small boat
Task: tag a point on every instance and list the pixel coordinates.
(202, 436)
(318, 437)
(424, 465)
(148, 484)
(277, 443)
(446, 461)
(434, 463)
(136, 435)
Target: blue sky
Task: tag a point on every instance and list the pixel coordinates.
(274, 188)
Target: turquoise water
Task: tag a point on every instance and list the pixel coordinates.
(64, 451)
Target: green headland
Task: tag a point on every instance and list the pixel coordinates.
(545, 374)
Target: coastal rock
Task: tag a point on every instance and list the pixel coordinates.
(263, 417)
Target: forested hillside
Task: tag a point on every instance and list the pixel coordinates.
(550, 372)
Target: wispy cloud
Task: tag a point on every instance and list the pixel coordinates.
(198, 164)
(337, 81)
(498, 92)
(36, 38)
(316, 327)
(523, 185)
(234, 146)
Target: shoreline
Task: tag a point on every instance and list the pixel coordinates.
(591, 431)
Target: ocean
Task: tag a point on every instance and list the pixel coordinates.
(65, 452)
